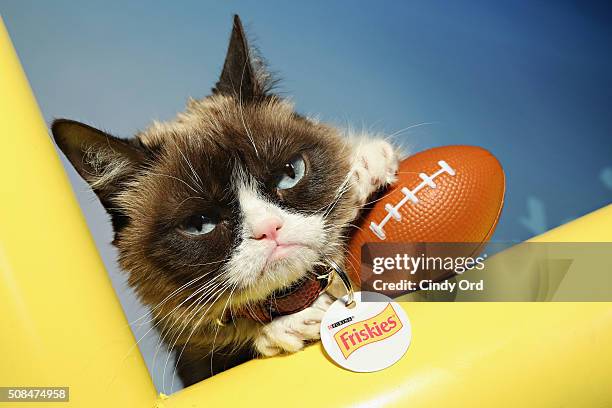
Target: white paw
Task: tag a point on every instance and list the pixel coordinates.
(288, 334)
(374, 166)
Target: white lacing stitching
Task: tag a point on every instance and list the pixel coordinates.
(393, 211)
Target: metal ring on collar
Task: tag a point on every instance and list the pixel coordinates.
(350, 301)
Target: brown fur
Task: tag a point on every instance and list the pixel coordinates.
(152, 182)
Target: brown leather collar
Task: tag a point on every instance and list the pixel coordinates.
(291, 300)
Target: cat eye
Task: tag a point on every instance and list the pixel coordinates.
(197, 225)
(291, 173)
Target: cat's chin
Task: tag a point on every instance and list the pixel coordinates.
(285, 266)
(284, 251)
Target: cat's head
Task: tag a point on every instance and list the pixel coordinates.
(239, 195)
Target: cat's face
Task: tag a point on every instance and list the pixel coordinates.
(245, 195)
(237, 197)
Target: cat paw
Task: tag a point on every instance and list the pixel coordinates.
(289, 334)
(375, 165)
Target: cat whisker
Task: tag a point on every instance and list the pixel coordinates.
(165, 334)
(167, 298)
(197, 311)
(399, 132)
(207, 263)
(212, 354)
(241, 110)
(177, 179)
(178, 206)
(175, 293)
(202, 291)
(180, 354)
(182, 287)
(198, 180)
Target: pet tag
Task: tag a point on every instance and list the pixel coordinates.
(364, 336)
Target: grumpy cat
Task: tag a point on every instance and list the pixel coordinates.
(235, 199)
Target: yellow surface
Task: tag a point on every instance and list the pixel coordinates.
(61, 324)
(60, 321)
(593, 227)
(462, 355)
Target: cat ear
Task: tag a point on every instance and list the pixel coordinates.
(243, 75)
(103, 160)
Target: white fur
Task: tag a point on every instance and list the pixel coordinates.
(290, 333)
(249, 267)
(106, 165)
(375, 163)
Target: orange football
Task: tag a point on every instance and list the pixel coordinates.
(444, 194)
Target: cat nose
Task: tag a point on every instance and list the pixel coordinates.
(267, 228)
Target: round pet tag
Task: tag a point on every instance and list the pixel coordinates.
(368, 336)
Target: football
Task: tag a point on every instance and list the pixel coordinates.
(444, 194)
(450, 194)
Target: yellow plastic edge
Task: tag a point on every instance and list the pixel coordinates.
(60, 321)
(462, 355)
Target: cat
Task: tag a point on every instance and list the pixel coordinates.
(237, 197)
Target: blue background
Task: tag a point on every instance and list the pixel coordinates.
(529, 80)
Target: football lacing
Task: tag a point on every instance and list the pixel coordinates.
(409, 195)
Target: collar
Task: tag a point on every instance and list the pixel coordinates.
(294, 299)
